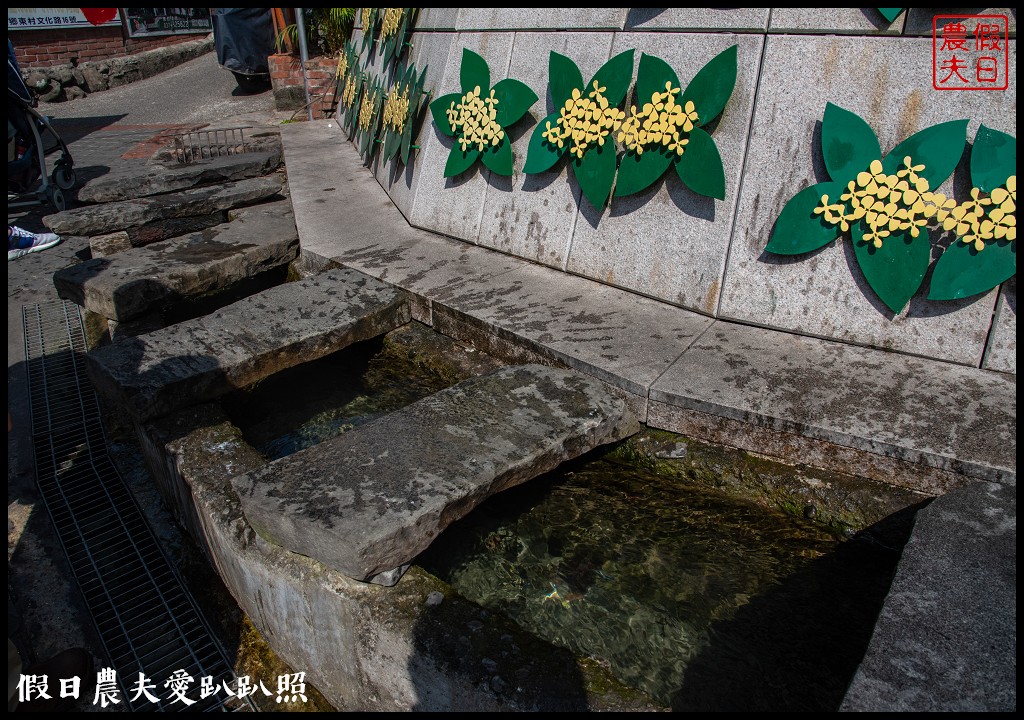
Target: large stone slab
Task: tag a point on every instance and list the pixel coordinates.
(372, 499)
(853, 21)
(453, 206)
(143, 280)
(824, 294)
(668, 242)
(106, 218)
(533, 216)
(201, 359)
(735, 19)
(514, 18)
(156, 231)
(432, 18)
(1001, 353)
(932, 413)
(157, 180)
(946, 638)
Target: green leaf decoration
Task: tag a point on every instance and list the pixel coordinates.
(459, 161)
(798, 229)
(564, 76)
(498, 158)
(474, 73)
(993, 159)
(700, 167)
(962, 271)
(595, 173)
(939, 148)
(541, 154)
(615, 75)
(638, 172)
(848, 144)
(514, 99)
(712, 87)
(896, 270)
(890, 14)
(651, 77)
(439, 111)
(407, 140)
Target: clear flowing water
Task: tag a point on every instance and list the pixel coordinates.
(699, 600)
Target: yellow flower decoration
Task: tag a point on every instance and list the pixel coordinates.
(367, 111)
(473, 120)
(390, 22)
(396, 109)
(584, 121)
(367, 20)
(348, 95)
(342, 64)
(661, 121)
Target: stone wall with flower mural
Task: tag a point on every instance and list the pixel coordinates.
(677, 175)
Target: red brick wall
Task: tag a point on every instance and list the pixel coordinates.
(286, 71)
(45, 48)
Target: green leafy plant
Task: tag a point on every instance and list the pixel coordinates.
(477, 117)
(587, 115)
(327, 30)
(403, 109)
(892, 214)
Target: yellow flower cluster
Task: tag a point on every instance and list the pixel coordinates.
(366, 112)
(390, 22)
(980, 219)
(473, 120)
(660, 122)
(396, 109)
(348, 95)
(367, 20)
(889, 203)
(342, 64)
(584, 121)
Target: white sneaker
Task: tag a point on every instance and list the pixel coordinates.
(22, 242)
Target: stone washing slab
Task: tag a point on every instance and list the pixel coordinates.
(707, 19)
(121, 240)
(372, 499)
(845, 21)
(1001, 353)
(512, 18)
(202, 359)
(669, 242)
(923, 411)
(946, 638)
(109, 217)
(533, 216)
(150, 279)
(157, 180)
(453, 206)
(823, 293)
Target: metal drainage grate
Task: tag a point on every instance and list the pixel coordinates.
(205, 144)
(147, 620)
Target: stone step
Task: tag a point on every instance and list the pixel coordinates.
(198, 360)
(157, 180)
(121, 240)
(367, 502)
(110, 217)
(153, 278)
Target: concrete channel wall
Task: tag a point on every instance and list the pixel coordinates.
(673, 245)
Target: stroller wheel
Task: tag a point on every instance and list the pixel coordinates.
(64, 177)
(55, 196)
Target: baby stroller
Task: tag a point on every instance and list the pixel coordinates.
(28, 180)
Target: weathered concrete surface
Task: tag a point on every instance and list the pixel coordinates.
(1001, 353)
(824, 294)
(946, 639)
(936, 414)
(511, 18)
(707, 19)
(201, 359)
(121, 240)
(533, 216)
(156, 180)
(143, 280)
(99, 219)
(667, 241)
(366, 647)
(852, 21)
(921, 21)
(374, 498)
